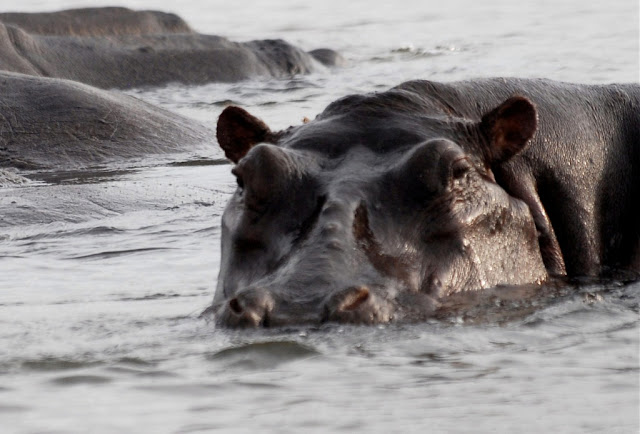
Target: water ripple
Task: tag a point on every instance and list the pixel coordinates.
(74, 380)
(262, 355)
(117, 253)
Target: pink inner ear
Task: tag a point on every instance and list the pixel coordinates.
(238, 131)
(509, 127)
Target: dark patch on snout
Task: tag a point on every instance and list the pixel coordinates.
(386, 264)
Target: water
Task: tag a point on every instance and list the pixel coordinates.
(104, 274)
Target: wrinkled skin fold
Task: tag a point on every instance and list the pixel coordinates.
(386, 203)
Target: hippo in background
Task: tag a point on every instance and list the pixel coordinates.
(121, 48)
(388, 202)
(106, 21)
(55, 124)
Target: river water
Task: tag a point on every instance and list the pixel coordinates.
(100, 292)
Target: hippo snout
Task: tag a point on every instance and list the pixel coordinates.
(258, 307)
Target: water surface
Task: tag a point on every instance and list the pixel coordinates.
(104, 273)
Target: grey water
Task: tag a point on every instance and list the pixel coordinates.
(103, 274)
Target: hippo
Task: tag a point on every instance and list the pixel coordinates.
(144, 49)
(53, 124)
(104, 21)
(388, 202)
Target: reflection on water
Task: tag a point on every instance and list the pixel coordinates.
(105, 272)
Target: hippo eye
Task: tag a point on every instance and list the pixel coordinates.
(460, 167)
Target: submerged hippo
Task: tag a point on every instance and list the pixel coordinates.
(106, 21)
(47, 123)
(120, 48)
(386, 202)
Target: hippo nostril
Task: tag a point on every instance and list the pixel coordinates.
(266, 320)
(357, 305)
(354, 298)
(250, 307)
(235, 306)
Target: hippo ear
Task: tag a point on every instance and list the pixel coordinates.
(508, 128)
(238, 131)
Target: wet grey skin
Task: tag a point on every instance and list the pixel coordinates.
(121, 48)
(370, 214)
(388, 202)
(39, 131)
(101, 21)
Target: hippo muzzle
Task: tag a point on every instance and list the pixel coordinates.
(257, 307)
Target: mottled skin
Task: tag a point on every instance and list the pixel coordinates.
(56, 124)
(384, 204)
(120, 48)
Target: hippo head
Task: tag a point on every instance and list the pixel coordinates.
(367, 215)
